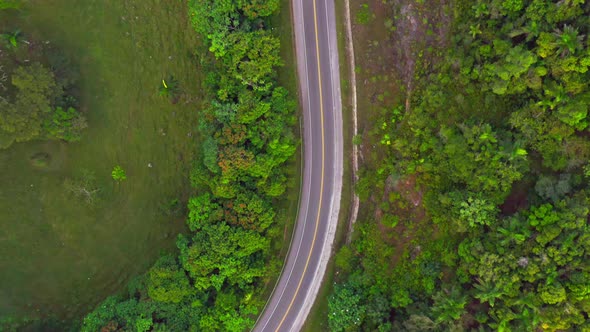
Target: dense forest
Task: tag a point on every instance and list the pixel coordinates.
(485, 182)
(216, 281)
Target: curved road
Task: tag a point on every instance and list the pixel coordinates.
(311, 245)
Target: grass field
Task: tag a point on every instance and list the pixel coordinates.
(58, 255)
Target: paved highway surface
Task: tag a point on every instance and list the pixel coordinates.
(311, 244)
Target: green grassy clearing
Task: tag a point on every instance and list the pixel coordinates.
(59, 256)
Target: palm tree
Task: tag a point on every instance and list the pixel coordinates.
(501, 319)
(554, 95)
(528, 318)
(579, 286)
(480, 9)
(513, 231)
(12, 38)
(568, 41)
(487, 292)
(449, 305)
(532, 29)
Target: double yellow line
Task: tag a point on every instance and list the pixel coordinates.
(317, 222)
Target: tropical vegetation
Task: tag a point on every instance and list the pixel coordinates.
(486, 167)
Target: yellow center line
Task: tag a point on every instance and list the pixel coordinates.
(317, 222)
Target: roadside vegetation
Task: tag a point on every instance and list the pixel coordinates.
(475, 180)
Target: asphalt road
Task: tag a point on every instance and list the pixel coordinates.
(311, 244)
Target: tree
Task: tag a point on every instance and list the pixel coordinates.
(481, 159)
(203, 211)
(346, 309)
(487, 291)
(234, 161)
(509, 71)
(35, 89)
(143, 324)
(554, 189)
(553, 293)
(221, 254)
(232, 312)
(419, 323)
(253, 58)
(66, 124)
(449, 305)
(167, 282)
(33, 113)
(568, 41)
(254, 9)
(512, 231)
(249, 211)
(473, 211)
(210, 153)
(574, 111)
(579, 286)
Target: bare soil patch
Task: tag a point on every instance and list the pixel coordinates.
(420, 29)
(400, 41)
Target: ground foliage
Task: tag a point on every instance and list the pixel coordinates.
(497, 137)
(215, 282)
